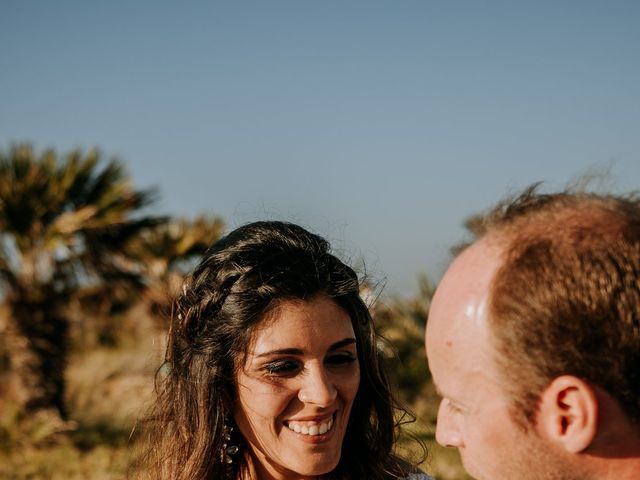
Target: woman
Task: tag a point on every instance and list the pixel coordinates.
(271, 368)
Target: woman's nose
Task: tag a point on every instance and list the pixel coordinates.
(317, 388)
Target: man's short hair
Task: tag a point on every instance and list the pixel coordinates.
(566, 299)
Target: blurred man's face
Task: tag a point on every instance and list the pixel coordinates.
(474, 412)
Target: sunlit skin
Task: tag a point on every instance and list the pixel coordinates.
(301, 372)
(474, 412)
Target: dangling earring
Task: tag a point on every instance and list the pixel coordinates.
(227, 450)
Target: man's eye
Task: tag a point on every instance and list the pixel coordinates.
(453, 408)
(281, 367)
(341, 359)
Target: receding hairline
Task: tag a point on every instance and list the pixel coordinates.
(570, 228)
(587, 222)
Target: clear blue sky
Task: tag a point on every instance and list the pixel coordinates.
(381, 125)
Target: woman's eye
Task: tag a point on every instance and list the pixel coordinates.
(281, 367)
(341, 359)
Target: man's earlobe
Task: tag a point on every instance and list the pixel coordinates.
(568, 413)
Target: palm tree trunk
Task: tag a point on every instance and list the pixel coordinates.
(37, 347)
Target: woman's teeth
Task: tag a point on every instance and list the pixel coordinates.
(311, 428)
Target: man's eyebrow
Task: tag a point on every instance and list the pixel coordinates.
(298, 352)
(449, 398)
(435, 385)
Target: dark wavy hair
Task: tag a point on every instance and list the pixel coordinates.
(239, 280)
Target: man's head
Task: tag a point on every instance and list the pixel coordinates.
(533, 339)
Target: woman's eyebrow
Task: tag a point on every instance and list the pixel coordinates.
(281, 351)
(342, 343)
(297, 351)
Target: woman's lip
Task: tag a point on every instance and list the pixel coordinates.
(314, 418)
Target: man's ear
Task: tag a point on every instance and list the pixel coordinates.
(568, 413)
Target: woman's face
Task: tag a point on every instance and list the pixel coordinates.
(296, 389)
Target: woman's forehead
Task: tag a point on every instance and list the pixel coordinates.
(298, 323)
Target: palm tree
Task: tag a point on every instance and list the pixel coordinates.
(169, 250)
(64, 226)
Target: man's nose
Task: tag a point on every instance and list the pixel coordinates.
(317, 388)
(447, 429)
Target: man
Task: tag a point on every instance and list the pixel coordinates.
(533, 341)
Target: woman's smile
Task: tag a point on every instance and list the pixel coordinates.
(311, 427)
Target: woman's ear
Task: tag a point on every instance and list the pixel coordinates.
(568, 414)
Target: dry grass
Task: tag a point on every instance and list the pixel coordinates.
(108, 391)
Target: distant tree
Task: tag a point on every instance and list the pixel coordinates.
(65, 222)
(167, 251)
(401, 323)
(170, 250)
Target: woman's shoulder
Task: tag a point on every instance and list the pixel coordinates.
(417, 476)
(412, 471)
(413, 474)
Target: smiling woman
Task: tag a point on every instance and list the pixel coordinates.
(272, 370)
